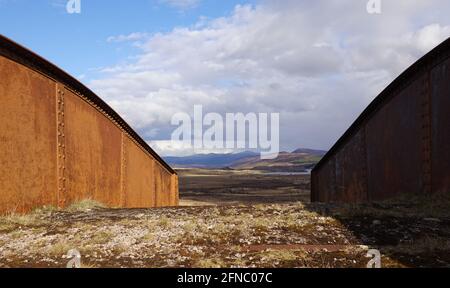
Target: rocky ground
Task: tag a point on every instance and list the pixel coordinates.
(263, 235)
(233, 219)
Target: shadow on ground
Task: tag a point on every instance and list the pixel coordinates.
(408, 231)
(412, 232)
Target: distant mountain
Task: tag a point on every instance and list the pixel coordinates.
(209, 160)
(300, 160)
(310, 151)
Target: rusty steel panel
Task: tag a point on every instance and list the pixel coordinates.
(325, 182)
(315, 186)
(174, 196)
(351, 171)
(394, 145)
(60, 143)
(407, 137)
(27, 138)
(139, 177)
(166, 188)
(93, 153)
(440, 79)
(158, 176)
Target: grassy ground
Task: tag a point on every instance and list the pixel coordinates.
(411, 232)
(224, 187)
(245, 236)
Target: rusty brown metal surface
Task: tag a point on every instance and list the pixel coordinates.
(27, 136)
(441, 127)
(92, 155)
(351, 170)
(140, 178)
(167, 179)
(324, 183)
(20, 54)
(58, 146)
(394, 145)
(399, 145)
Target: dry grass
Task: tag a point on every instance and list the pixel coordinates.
(85, 205)
(279, 256)
(164, 222)
(12, 222)
(235, 236)
(210, 263)
(101, 237)
(60, 249)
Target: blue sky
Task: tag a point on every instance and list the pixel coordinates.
(316, 63)
(78, 42)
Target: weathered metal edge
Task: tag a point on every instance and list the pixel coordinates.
(437, 55)
(26, 57)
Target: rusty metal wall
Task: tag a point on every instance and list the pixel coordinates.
(93, 149)
(394, 145)
(440, 79)
(166, 186)
(324, 183)
(399, 145)
(174, 196)
(139, 178)
(351, 170)
(27, 138)
(58, 147)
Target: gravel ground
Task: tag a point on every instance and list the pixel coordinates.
(265, 235)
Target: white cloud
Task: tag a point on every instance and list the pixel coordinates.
(130, 37)
(429, 36)
(178, 148)
(318, 63)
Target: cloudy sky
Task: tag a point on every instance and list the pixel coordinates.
(317, 63)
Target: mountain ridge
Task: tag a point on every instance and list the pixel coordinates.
(300, 160)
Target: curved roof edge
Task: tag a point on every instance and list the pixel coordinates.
(26, 57)
(429, 59)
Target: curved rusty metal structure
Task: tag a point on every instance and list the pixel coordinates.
(399, 145)
(60, 143)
